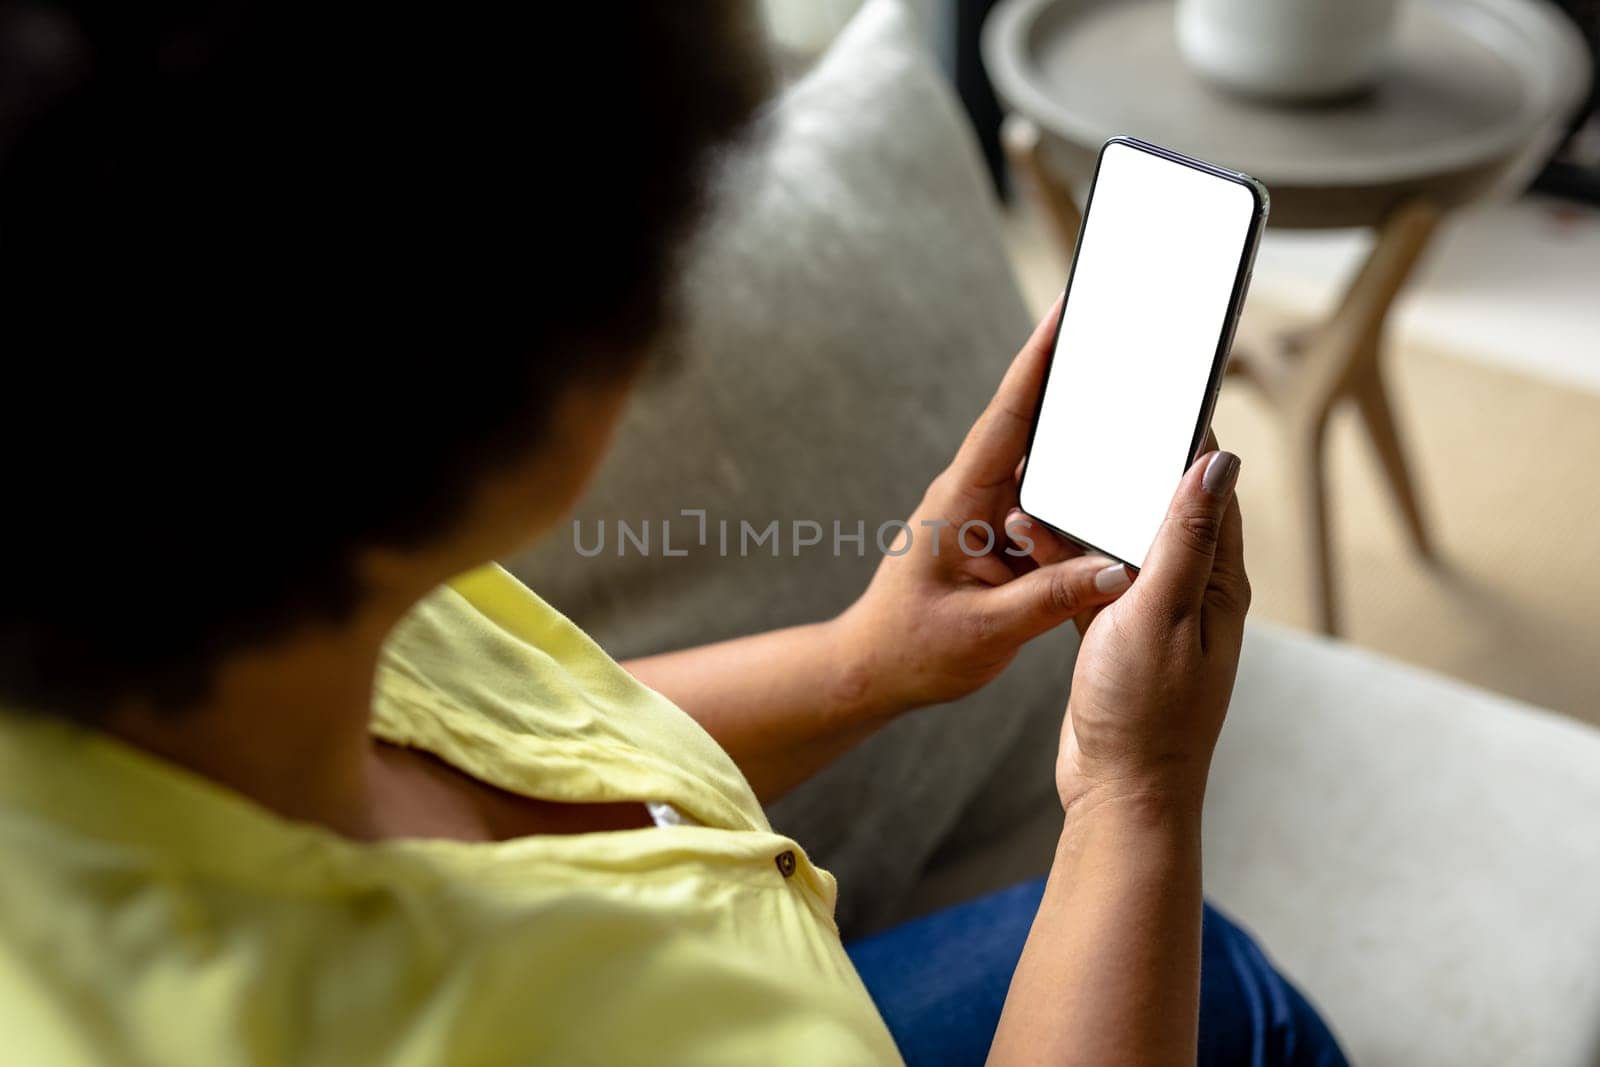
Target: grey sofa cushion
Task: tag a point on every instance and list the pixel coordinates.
(1421, 855)
(851, 310)
(1418, 855)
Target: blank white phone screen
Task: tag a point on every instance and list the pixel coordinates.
(1147, 305)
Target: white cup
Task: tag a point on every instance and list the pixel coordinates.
(1287, 49)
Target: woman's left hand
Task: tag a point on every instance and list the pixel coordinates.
(966, 590)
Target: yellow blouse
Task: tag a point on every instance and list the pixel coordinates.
(148, 915)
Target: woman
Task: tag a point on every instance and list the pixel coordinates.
(312, 314)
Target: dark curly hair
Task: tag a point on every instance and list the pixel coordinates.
(280, 282)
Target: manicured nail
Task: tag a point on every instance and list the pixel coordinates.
(1112, 579)
(1221, 473)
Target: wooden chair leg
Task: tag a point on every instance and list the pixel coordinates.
(1372, 401)
(1022, 141)
(1308, 484)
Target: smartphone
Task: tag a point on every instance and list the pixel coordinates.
(1157, 283)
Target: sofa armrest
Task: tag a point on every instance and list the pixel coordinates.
(1422, 855)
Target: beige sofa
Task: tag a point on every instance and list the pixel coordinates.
(1424, 858)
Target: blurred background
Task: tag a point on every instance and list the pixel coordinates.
(1419, 402)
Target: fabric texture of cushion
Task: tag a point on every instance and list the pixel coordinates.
(1420, 855)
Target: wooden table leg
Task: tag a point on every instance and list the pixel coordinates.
(1022, 141)
(1306, 372)
(1308, 475)
(1372, 401)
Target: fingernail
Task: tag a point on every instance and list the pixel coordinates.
(1112, 579)
(1221, 473)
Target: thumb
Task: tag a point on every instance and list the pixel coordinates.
(1043, 599)
(1178, 565)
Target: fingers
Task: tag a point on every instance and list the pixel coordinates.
(1227, 597)
(1045, 547)
(995, 444)
(1085, 619)
(1040, 542)
(1044, 599)
(1177, 571)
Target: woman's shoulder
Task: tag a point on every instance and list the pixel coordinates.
(488, 676)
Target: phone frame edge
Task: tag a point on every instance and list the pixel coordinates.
(1219, 361)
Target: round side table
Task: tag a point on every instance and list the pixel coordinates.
(1474, 97)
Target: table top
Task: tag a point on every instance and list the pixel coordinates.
(1471, 87)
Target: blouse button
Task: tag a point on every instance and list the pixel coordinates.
(785, 862)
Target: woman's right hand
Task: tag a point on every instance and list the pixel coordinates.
(1111, 970)
(1156, 668)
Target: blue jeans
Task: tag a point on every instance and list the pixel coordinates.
(940, 981)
